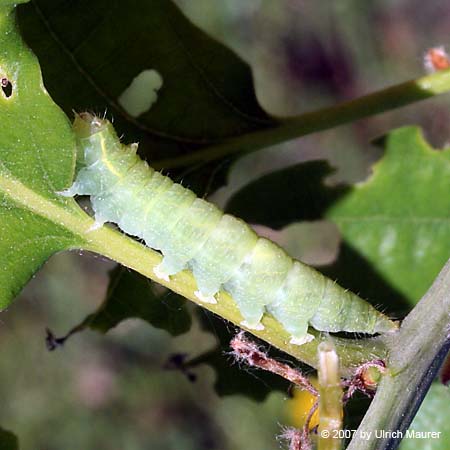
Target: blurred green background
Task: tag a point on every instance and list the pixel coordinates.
(113, 391)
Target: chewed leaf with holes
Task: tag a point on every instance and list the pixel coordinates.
(167, 84)
(399, 219)
(37, 157)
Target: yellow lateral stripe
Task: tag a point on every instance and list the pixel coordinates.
(105, 158)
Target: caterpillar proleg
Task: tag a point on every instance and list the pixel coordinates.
(222, 252)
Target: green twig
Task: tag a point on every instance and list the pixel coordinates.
(414, 358)
(290, 128)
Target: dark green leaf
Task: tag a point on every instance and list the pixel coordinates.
(91, 51)
(8, 441)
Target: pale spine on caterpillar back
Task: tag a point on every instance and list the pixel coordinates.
(222, 251)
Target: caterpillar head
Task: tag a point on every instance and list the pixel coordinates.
(94, 136)
(87, 124)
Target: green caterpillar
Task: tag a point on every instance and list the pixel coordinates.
(222, 251)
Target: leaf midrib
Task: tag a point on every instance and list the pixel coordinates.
(69, 216)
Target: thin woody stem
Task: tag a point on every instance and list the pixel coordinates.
(248, 351)
(311, 122)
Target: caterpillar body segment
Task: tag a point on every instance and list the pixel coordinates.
(258, 279)
(162, 214)
(222, 252)
(229, 242)
(192, 231)
(303, 291)
(127, 198)
(342, 310)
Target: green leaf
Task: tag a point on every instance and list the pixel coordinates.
(37, 157)
(8, 441)
(207, 92)
(132, 295)
(399, 219)
(432, 417)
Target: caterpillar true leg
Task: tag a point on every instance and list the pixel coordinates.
(70, 192)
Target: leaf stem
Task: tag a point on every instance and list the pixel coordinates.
(290, 128)
(414, 358)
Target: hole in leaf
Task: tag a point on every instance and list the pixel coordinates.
(6, 87)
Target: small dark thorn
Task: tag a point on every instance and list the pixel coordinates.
(177, 361)
(52, 342)
(192, 377)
